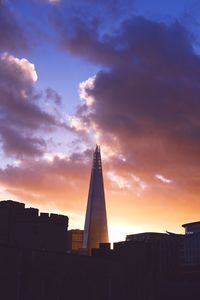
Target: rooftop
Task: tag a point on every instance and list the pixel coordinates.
(191, 224)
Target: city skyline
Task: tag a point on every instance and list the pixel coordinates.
(122, 74)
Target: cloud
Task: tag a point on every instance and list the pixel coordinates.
(52, 95)
(22, 66)
(83, 86)
(61, 181)
(84, 26)
(119, 181)
(163, 179)
(104, 10)
(21, 115)
(144, 102)
(18, 145)
(54, 1)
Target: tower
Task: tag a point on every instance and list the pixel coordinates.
(95, 230)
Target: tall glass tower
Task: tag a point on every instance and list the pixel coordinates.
(95, 230)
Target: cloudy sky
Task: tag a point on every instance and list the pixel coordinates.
(122, 74)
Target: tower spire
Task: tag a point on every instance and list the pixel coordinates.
(95, 230)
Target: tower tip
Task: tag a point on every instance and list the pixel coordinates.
(97, 148)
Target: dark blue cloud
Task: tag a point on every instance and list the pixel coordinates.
(146, 95)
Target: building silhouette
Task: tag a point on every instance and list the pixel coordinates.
(36, 264)
(27, 228)
(191, 244)
(95, 230)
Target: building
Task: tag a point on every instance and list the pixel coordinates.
(75, 240)
(35, 266)
(26, 228)
(161, 251)
(95, 230)
(191, 244)
(192, 228)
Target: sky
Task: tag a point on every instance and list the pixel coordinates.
(121, 74)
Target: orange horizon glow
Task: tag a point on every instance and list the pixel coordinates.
(127, 211)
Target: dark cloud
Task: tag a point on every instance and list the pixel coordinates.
(84, 26)
(52, 95)
(129, 43)
(12, 36)
(104, 9)
(146, 102)
(16, 144)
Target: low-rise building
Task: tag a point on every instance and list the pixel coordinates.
(27, 228)
(191, 245)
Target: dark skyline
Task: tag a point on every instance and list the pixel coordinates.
(41, 259)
